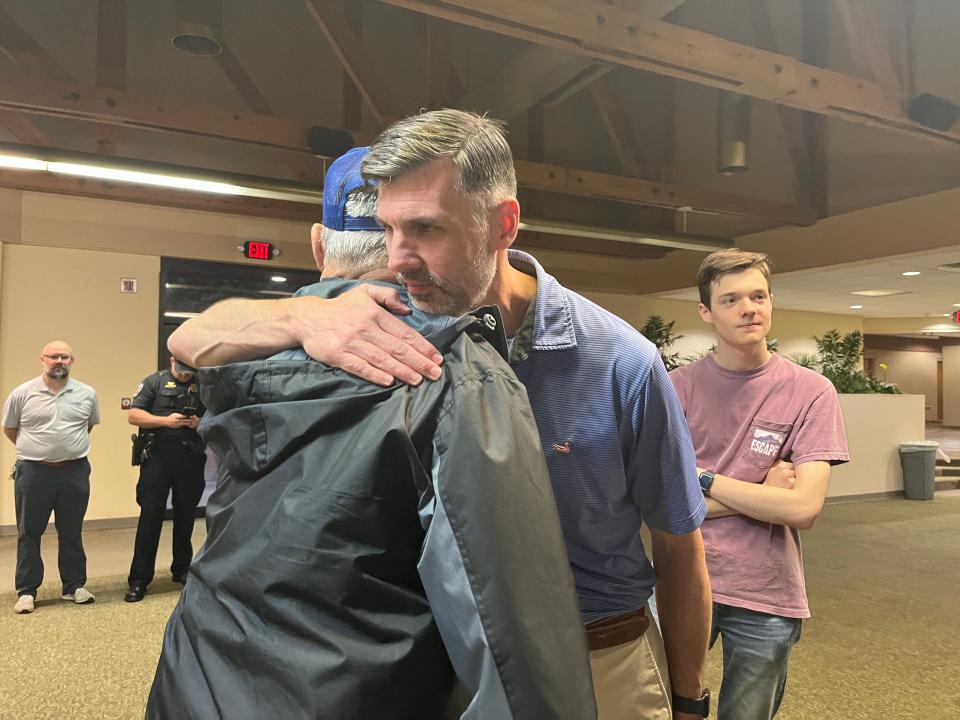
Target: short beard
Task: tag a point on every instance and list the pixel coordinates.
(58, 372)
(462, 296)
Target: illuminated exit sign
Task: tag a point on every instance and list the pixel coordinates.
(259, 250)
(956, 316)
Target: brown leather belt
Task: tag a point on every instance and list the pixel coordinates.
(58, 463)
(617, 630)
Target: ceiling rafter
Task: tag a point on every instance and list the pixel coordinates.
(626, 38)
(26, 52)
(619, 132)
(115, 107)
(544, 72)
(242, 82)
(865, 36)
(444, 83)
(332, 21)
(791, 120)
(111, 60)
(568, 181)
(18, 45)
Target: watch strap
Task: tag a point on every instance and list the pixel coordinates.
(692, 706)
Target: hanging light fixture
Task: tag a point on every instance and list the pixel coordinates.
(198, 26)
(733, 132)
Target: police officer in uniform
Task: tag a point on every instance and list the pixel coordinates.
(171, 455)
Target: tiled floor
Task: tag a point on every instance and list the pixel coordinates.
(108, 553)
(948, 437)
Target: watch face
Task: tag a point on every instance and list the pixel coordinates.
(706, 480)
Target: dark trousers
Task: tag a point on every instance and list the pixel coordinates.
(170, 467)
(38, 491)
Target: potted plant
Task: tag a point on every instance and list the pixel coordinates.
(837, 358)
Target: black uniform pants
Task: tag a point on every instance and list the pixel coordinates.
(171, 466)
(39, 490)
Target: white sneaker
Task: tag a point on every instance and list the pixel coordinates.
(81, 596)
(24, 605)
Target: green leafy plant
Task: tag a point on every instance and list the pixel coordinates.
(837, 359)
(661, 334)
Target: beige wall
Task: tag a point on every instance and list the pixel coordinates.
(74, 295)
(62, 260)
(876, 425)
(915, 373)
(793, 329)
(951, 385)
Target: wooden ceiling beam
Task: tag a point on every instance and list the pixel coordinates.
(553, 178)
(648, 8)
(23, 129)
(332, 21)
(31, 56)
(865, 35)
(619, 132)
(115, 107)
(544, 73)
(112, 44)
(444, 83)
(103, 105)
(242, 82)
(791, 120)
(111, 60)
(626, 38)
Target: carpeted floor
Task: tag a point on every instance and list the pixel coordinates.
(884, 642)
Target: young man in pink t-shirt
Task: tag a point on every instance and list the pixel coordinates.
(766, 432)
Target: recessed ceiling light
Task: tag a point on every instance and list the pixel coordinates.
(879, 293)
(278, 278)
(910, 273)
(956, 304)
(856, 307)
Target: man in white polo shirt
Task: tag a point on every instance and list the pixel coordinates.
(49, 419)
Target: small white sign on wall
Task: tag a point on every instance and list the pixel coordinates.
(128, 285)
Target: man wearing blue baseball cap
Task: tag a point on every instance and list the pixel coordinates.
(367, 544)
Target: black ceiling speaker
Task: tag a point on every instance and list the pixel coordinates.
(933, 111)
(329, 142)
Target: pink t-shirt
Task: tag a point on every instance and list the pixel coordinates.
(742, 421)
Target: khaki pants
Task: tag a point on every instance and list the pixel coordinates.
(631, 680)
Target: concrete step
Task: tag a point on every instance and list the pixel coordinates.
(946, 484)
(947, 470)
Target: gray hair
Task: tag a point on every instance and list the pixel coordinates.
(476, 144)
(356, 252)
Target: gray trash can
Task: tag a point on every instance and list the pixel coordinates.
(918, 460)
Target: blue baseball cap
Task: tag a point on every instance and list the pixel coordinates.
(343, 177)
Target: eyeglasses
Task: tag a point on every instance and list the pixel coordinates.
(59, 356)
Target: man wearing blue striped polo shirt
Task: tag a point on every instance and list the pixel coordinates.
(617, 446)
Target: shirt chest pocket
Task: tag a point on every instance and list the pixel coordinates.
(72, 411)
(168, 400)
(763, 444)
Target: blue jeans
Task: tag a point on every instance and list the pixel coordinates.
(756, 648)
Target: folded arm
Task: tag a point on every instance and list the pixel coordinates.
(11, 434)
(775, 500)
(356, 331)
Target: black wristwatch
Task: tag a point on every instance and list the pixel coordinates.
(699, 707)
(706, 481)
